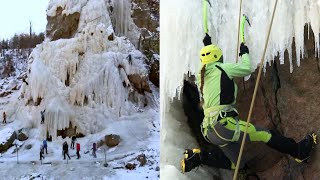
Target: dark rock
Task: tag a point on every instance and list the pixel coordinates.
(22, 136)
(111, 37)
(154, 72)
(6, 93)
(28, 146)
(4, 147)
(142, 159)
(131, 166)
(139, 83)
(112, 140)
(105, 164)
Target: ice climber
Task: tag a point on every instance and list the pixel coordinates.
(42, 116)
(41, 153)
(45, 146)
(4, 118)
(221, 125)
(65, 150)
(94, 149)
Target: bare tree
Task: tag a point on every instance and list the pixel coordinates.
(30, 37)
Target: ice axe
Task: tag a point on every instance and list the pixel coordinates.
(243, 21)
(205, 15)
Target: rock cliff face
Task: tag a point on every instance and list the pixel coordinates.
(146, 16)
(287, 102)
(139, 21)
(62, 26)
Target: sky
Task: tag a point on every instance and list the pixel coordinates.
(16, 14)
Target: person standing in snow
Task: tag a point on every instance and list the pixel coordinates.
(4, 118)
(221, 125)
(73, 140)
(45, 145)
(65, 150)
(41, 153)
(42, 116)
(78, 150)
(94, 149)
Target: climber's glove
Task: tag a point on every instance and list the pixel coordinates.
(207, 40)
(243, 49)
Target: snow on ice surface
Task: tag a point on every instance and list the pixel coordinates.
(84, 70)
(5, 134)
(181, 41)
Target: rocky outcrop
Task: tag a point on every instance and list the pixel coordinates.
(139, 83)
(112, 140)
(9, 136)
(146, 16)
(62, 26)
(154, 72)
(23, 135)
(294, 108)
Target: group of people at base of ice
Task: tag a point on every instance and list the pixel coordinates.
(65, 148)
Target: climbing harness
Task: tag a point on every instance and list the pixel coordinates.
(254, 94)
(213, 115)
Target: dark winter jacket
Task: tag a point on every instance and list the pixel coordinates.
(45, 143)
(65, 147)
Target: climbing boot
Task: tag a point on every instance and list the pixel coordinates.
(191, 160)
(305, 147)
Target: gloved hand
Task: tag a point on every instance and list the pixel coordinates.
(243, 49)
(207, 40)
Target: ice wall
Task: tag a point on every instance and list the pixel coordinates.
(122, 21)
(182, 32)
(71, 78)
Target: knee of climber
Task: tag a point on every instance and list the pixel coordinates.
(262, 136)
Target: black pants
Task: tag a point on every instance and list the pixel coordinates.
(78, 154)
(66, 153)
(46, 148)
(41, 156)
(72, 144)
(215, 158)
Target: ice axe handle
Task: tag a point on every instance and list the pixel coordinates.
(243, 21)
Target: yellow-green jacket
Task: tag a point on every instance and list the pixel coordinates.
(219, 88)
